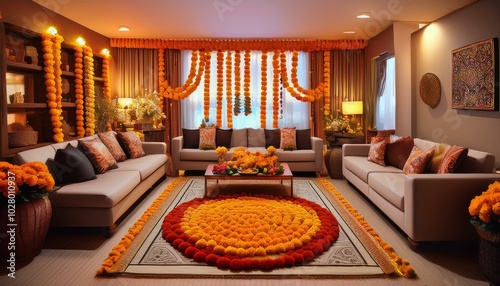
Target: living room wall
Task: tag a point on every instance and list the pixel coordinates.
(431, 53)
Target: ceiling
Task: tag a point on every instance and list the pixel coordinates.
(311, 19)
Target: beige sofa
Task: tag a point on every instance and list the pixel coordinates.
(304, 160)
(426, 207)
(102, 201)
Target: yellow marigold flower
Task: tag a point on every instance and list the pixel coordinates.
(231, 250)
(496, 208)
(484, 212)
(211, 243)
(260, 251)
(201, 244)
(219, 249)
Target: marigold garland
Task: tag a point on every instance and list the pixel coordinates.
(229, 89)
(259, 232)
(220, 91)
(193, 80)
(206, 90)
(246, 84)
(89, 90)
(80, 129)
(263, 92)
(51, 45)
(106, 84)
(276, 88)
(326, 80)
(162, 82)
(402, 266)
(294, 88)
(125, 242)
(237, 83)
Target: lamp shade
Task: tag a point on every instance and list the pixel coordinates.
(352, 107)
(124, 102)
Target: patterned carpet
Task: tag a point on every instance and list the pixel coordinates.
(354, 254)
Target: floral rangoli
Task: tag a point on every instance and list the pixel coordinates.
(257, 232)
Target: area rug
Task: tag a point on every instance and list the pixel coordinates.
(357, 252)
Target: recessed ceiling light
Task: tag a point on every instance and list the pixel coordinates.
(123, 28)
(364, 15)
(349, 32)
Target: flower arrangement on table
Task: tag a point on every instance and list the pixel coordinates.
(25, 183)
(146, 107)
(485, 209)
(246, 162)
(342, 124)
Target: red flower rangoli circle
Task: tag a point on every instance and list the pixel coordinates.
(240, 232)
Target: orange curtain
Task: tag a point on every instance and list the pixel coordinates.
(317, 106)
(172, 107)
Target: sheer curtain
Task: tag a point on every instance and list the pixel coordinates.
(386, 100)
(295, 113)
(137, 69)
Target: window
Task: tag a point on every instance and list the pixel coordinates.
(294, 112)
(386, 96)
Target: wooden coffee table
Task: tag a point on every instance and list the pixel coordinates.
(286, 176)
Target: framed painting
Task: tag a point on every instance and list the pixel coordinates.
(474, 76)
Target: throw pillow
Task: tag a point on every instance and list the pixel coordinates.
(131, 144)
(383, 135)
(272, 137)
(397, 152)
(440, 150)
(418, 160)
(223, 137)
(98, 154)
(256, 137)
(239, 138)
(207, 138)
(451, 159)
(190, 138)
(70, 165)
(288, 139)
(303, 139)
(377, 151)
(109, 140)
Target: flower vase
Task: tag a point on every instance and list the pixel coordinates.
(26, 233)
(489, 255)
(221, 160)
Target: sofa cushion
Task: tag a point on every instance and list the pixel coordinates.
(239, 138)
(288, 138)
(303, 139)
(272, 137)
(256, 137)
(111, 142)
(418, 160)
(90, 194)
(198, 155)
(223, 137)
(377, 151)
(190, 138)
(361, 167)
(390, 186)
(207, 138)
(295, 155)
(144, 165)
(453, 156)
(131, 144)
(99, 155)
(70, 165)
(397, 152)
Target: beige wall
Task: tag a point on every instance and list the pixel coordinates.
(431, 53)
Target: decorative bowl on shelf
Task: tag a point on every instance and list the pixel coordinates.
(22, 138)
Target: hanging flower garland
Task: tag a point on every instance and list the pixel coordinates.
(106, 82)
(295, 89)
(276, 88)
(206, 90)
(88, 68)
(193, 80)
(263, 92)
(80, 130)
(246, 84)
(220, 90)
(326, 79)
(52, 44)
(161, 75)
(229, 89)
(237, 83)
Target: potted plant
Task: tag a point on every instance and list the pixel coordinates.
(485, 212)
(25, 210)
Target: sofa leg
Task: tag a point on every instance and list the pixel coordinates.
(414, 245)
(111, 230)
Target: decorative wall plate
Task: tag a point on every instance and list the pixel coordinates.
(430, 89)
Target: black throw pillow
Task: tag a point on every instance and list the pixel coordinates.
(303, 139)
(223, 137)
(272, 137)
(191, 138)
(70, 165)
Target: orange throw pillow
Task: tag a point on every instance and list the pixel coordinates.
(377, 151)
(453, 156)
(418, 160)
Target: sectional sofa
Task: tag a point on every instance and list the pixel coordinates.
(425, 206)
(308, 157)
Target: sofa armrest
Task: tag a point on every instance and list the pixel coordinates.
(155, 147)
(175, 151)
(450, 196)
(355, 150)
(317, 147)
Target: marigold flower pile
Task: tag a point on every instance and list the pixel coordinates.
(486, 207)
(34, 176)
(250, 232)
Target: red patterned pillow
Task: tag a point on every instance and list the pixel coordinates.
(377, 151)
(131, 144)
(418, 160)
(207, 138)
(397, 152)
(98, 154)
(451, 159)
(288, 139)
(109, 139)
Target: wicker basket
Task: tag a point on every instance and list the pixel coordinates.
(22, 138)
